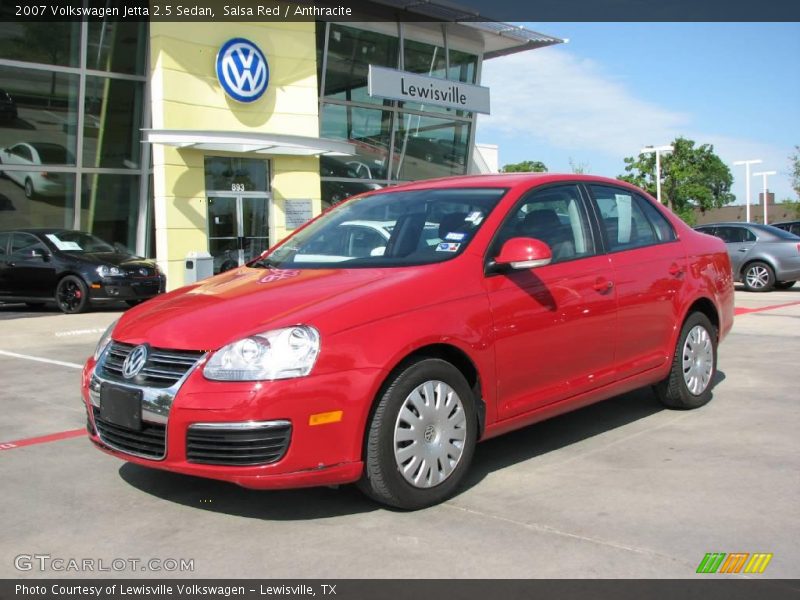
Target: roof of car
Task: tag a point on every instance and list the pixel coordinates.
(505, 180)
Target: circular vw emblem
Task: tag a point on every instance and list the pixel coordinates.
(242, 70)
(135, 361)
(144, 272)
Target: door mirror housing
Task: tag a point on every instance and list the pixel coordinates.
(40, 253)
(524, 253)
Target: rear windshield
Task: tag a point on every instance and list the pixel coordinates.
(389, 229)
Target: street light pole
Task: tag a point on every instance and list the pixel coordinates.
(747, 163)
(659, 150)
(764, 175)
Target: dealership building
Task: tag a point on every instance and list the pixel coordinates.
(179, 137)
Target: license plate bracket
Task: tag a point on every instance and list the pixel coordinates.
(121, 406)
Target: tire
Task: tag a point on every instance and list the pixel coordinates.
(72, 295)
(411, 397)
(784, 285)
(758, 276)
(690, 387)
(29, 191)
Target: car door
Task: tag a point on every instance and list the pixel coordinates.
(30, 270)
(554, 326)
(18, 154)
(739, 241)
(649, 268)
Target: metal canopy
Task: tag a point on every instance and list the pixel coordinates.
(251, 142)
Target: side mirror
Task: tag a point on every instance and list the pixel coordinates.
(39, 253)
(524, 253)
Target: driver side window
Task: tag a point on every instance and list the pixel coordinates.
(554, 215)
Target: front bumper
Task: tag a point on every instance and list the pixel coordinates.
(127, 288)
(324, 454)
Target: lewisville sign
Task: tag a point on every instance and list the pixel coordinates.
(411, 87)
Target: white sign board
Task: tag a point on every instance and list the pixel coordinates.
(410, 87)
(298, 212)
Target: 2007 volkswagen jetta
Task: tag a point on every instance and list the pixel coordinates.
(382, 340)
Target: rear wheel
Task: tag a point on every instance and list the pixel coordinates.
(758, 277)
(694, 365)
(29, 191)
(421, 438)
(784, 285)
(72, 295)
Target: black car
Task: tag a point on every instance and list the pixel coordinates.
(790, 226)
(8, 108)
(72, 268)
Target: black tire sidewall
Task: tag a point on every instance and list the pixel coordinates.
(684, 398)
(84, 294)
(405, 495)
(770, 284)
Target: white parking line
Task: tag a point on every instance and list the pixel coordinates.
(94, 330)
(44, 360)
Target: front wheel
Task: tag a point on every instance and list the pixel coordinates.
(784, 285)
(72, 295)
(29, 191)
(421, 438)
(694, 365)
(758, 277)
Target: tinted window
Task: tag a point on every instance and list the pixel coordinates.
(23, 243)
(22, 151)
(554, 216)
(734, 235)
(629, 220)
(4, 237)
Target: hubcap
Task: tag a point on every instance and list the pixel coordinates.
(69, 295)
(698, 360)
(430, 434)
(757, 277)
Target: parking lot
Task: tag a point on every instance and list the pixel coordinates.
(616, 490)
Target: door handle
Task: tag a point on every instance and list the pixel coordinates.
(743, 249)
(675, 270)
(601, 284)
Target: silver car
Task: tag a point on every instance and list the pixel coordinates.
(763, 257)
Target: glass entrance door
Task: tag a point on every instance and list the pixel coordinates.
(238, 228)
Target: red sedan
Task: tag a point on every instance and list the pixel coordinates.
(473, 306)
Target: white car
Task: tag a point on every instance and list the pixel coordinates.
(42, 183)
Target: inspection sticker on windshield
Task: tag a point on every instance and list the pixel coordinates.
(455, 236)
(475, 217)
(448, 247)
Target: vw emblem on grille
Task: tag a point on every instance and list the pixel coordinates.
(242, 70)
(144, 272)
(135, 361)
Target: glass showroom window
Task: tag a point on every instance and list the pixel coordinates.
(117, 47)
(45, 43)
(463, 66)
(112, 122)
(110, 207)
(350, 52)
(426, 147)
(369, 130)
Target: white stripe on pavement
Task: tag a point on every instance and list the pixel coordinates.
(44, 360)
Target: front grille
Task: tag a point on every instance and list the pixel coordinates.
(162, 369)
(238, 447)
(150, 442)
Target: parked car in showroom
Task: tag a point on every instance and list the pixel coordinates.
(763, 257)
(386, 368)
(74, 269)
(37, 183)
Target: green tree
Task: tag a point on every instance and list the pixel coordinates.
(526, 166)
(691, 177)
(794, 163)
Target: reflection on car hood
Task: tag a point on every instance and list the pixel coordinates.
(117, 259)
(245, 301)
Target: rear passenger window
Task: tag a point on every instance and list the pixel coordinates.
(629, 220)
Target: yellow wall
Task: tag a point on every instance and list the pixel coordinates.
(185, 94)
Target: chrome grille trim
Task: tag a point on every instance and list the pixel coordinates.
(163, 367)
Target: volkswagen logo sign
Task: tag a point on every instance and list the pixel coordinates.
(242, 70)
(144, 272)
(135, 361)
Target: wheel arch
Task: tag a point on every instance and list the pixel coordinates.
(708, 308)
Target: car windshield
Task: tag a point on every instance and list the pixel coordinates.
(389, 229)
(78, 242)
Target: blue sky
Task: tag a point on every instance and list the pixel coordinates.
(616, 87)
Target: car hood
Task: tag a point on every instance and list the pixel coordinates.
(116, 259)
(245, 301)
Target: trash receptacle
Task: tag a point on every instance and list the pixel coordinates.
(198, 265)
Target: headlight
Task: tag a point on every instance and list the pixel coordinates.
(276, 354)
(105, 271)
(104, 340)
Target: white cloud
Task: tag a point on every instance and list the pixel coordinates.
(570, 103)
